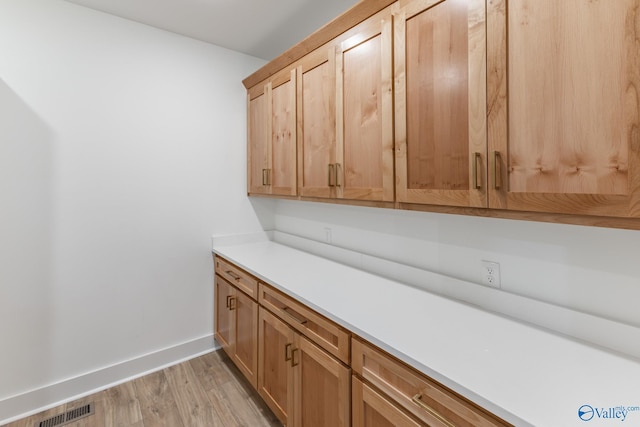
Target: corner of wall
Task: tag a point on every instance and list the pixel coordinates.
(52, 395)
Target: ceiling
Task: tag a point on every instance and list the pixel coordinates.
(261, 28)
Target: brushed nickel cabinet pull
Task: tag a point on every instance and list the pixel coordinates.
(417, 399)
(497, 169)
(232, 274)
(269, 173)
(287, 352)
(264, 177)
(298, 320)
(476, 182)
(293, 358)
(338, 174)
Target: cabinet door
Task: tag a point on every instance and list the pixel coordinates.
(317, 124)
(440, 102)
(245, 350)
(322, 389)
(365, 112)
(564, 124)
(370, 409)
(282, 174)
(223, 316)
(258, 138)
(275, 376)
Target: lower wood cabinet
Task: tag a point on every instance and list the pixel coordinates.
(372, 409)
(426, 400)
(236, 327)
(275, 378)
(301, 383)
(312, 372)
(323, 332)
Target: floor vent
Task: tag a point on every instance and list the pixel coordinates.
(69, 416)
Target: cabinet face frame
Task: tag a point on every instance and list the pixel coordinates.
(475, 195)
(377, 29)
(500, 112)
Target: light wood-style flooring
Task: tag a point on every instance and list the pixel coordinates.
(203, 392)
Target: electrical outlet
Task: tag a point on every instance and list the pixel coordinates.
(491, 274)
(327, 235)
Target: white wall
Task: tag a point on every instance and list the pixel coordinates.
(122, 150)
(588, 270)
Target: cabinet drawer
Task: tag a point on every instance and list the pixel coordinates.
(427, 400)
(317, 328)
(237, 277)
(371, 409)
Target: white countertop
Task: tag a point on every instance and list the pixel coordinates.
(528, 376)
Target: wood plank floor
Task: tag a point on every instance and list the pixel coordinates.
(204, 392)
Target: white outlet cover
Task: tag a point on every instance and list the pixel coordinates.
(490, 274)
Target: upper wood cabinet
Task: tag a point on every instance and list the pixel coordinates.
(527, 107)
(345, 115)
(440, 102)
(258, 141)
(563, 82)
(271, 136)
(364, 111)
(317, 124)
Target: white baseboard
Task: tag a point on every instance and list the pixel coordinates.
(52, 395)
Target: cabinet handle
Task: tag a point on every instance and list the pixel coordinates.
(293, 358)
(232, 274)
(266, 176)
(228, 298)
(417, 399)
(232, 306)
(297, 319)
(338, 174)
(497, 169)
(287, 353)
(331, 173)
(476, 182)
